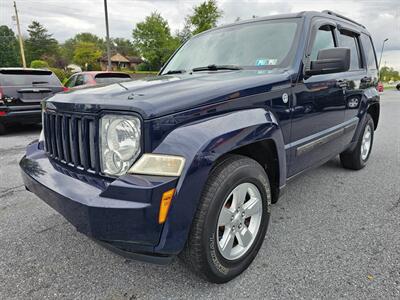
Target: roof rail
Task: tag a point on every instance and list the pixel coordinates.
(329, 12)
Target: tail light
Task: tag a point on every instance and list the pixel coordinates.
(65, 89)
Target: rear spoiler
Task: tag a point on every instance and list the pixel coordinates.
(25, 72)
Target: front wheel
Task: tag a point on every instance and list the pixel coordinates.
(358, 157)
(231, 221)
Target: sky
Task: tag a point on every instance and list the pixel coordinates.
(65, 18)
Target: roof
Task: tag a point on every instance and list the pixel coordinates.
(303, 14)
(118, 58)
(26, 69)
(94, 73)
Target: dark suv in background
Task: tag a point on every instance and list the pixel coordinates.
(21, 91)
(189, 162)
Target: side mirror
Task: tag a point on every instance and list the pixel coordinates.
(332, 60)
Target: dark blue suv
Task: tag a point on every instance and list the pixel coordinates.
(189, 162)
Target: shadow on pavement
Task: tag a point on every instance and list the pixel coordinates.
(16, 130)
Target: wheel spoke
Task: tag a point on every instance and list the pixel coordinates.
(239, 195)
(224, 217)
(252, 207)
(226, 243)
(244, 237)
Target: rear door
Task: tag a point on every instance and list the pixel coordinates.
(356, 79)
(27, 87)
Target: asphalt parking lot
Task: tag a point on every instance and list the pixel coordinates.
(334, 234)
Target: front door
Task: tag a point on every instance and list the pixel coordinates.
(318, 109)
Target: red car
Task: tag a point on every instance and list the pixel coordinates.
(85, 79)
(380, 87)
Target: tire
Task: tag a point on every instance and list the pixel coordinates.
(236, 175)
(2, 129)
(398, 87)
(358, 157)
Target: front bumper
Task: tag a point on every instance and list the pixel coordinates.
(121, 214)
(24, 114)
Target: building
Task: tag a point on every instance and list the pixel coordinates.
(119, 61)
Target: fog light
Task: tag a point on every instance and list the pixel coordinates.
(158, 164)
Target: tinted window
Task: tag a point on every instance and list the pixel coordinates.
(79, 80)
(28, 78)
(323, 40)
(264, 44)
(369, 52)
(104, 78)
(350, 41)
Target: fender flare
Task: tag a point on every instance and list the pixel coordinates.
(202, 143)
(369, 98)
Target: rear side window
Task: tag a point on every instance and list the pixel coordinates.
(347, 40)
(105, 78)
(28, 78)
(323, 40)
(369, 52)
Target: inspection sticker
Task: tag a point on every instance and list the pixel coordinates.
(265, 62)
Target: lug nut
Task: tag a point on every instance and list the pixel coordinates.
(242, 214)
(233, 227)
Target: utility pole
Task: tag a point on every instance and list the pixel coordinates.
(21, 43)
(107, 37)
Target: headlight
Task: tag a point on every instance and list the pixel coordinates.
(119, 143)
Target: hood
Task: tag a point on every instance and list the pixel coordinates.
(163, 95)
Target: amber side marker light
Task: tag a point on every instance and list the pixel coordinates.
(165, 204)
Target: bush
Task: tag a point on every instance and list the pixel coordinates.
(39, 64)
(61, 74)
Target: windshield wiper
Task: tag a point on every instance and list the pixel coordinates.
(216, 68)
(175, 72)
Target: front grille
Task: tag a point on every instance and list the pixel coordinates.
(72, 139)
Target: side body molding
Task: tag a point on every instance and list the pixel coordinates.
(202, 143)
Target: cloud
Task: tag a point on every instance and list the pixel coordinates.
(66, 18)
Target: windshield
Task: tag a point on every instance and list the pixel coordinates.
(263, 44)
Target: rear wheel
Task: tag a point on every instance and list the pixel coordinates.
(231, 221)
(358, 157)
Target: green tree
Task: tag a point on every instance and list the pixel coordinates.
(8, 48)
(205, 16)
(87, 54)
(154, 40)
(387, 74)
(186, 33)
(69, 46)
(40, 43)
(124, 47)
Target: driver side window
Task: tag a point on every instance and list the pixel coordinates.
(323, 40)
